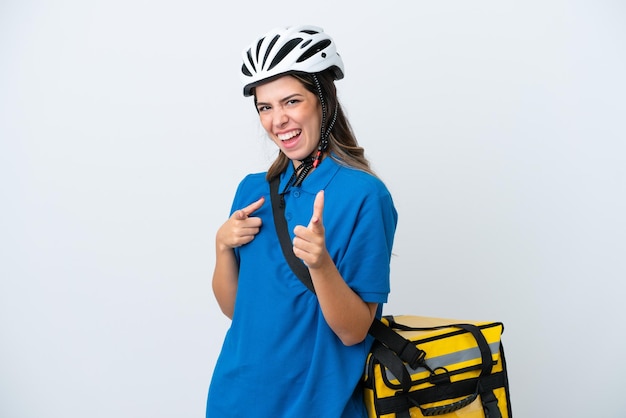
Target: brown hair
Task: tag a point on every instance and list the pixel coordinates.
(342, 143)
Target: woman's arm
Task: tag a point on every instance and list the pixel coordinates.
(345, 312)
(225, 278)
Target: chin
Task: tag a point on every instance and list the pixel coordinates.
(296, 156)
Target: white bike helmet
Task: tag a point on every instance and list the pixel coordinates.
(285, 50)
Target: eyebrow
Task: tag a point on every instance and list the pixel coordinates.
(291, 96)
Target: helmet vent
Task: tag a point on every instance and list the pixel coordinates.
(251, 61)
(245, 70)
(269, 49)
(321, 45)
(258, 49)
(284, 51)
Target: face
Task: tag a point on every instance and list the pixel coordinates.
(291, 115)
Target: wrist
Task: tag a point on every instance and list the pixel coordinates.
(325, 264)
(222, 248)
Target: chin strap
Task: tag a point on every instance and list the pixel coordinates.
(298, 176)
(324, 132)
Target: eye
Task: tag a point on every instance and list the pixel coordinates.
(293, 101)
(263, 108)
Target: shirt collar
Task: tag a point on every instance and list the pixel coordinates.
(317, 179)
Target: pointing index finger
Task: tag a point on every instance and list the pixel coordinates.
(318, 209)
(252, 207)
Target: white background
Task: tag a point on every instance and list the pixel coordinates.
(498, 126)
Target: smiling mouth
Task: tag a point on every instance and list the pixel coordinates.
(287, 136)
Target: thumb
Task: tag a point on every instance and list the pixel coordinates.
(316, 222)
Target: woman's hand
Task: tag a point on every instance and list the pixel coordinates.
(240, 228)
(309, 243)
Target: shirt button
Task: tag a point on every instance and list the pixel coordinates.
(288, 216)
(296, 193)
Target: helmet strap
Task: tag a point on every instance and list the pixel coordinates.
(324, 133)
(311, 162)
(299, 174)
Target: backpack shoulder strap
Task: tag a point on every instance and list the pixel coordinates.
(278, 210)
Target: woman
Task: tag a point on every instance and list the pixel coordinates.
(290, 352)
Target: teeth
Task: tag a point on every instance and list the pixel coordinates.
(289, 135)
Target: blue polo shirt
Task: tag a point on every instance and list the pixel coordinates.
(280, 358)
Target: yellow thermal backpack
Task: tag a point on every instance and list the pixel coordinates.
(421, 366)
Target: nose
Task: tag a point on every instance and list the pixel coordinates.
(280, 117)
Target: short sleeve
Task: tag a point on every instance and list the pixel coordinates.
(361, 236)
